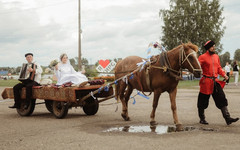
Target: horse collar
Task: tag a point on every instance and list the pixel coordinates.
(166, 66)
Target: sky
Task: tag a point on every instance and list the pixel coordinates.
(110, 29)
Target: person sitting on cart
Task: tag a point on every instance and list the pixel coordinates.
(65, 73)
(33, 69)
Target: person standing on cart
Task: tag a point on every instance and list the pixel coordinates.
(210, 85)
(31, 73)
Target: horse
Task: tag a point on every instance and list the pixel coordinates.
(160, 74)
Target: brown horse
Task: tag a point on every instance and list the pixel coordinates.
(161, 74)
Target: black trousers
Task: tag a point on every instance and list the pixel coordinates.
(18, 88)
(218, 97)
(228, 74)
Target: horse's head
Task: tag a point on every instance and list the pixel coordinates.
(189, 60)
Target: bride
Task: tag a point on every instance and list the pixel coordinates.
(65, 72)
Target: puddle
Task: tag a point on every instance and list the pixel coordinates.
(158, 129)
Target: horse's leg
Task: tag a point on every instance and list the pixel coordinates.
(126, 99)
(154, 105)
(172, 96)
(122, 88)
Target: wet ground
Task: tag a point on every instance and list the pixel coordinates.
(156, 129)
(107, 130)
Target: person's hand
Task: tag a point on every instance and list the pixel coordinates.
(30, 69)
(226, 77)
(83, 71)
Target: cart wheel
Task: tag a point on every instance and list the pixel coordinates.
(49, 105)
(26, 111)
(60, 109)
(91, 106)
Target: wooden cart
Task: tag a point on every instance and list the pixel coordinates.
(59, 100)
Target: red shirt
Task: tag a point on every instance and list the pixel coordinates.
(211, 68)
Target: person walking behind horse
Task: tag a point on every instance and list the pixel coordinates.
(18, 87)
(209, 84)
(227, 70)
(236, 72)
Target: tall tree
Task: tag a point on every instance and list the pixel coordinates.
(73, 63)
(237, 55)
(225, 58)
(192, 20)
(84, 61)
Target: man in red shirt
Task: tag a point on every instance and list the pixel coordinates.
(210, 85)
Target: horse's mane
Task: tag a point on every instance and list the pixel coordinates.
(187, 46)
(190, 45)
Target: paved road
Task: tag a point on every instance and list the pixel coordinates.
(78, 131)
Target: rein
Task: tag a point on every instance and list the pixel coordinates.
(167, 67)
(164, 65)
(186, 59)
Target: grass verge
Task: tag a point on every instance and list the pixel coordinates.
(188, 84)
(8, 83)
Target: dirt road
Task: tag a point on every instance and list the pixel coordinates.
(42, 130)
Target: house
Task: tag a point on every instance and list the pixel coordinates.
(2, 72)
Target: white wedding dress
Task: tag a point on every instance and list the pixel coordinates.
(66, 73)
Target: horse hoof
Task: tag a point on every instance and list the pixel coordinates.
(179, 127)
(153, 123)
(125, 117)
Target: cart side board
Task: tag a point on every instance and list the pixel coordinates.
(68, 94)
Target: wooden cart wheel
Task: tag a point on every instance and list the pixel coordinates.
(49, 105)
(91, 106)
(60, 109)
(26, 110)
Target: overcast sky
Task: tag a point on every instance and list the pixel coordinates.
(110, 28)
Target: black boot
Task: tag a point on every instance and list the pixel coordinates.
(202, 116)
(15, 106)
(227, 117)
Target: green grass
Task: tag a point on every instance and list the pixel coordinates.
(195, 83)
(182, 84)
(188, 84)
(8, 83)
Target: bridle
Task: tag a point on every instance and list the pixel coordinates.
(182, 60)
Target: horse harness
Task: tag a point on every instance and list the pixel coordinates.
(166, 66)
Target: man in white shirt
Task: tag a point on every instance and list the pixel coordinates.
(235, 72)
(227, 70)
(36, 71)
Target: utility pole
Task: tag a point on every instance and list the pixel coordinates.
(79, 37)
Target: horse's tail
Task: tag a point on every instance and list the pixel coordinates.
(117, 84)
(117, 91)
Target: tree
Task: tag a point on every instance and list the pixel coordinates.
(195, 21)
(73, 63)
(84, 61)
(237, 55)
(90, 71)
(18, 69)
(225, 58)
